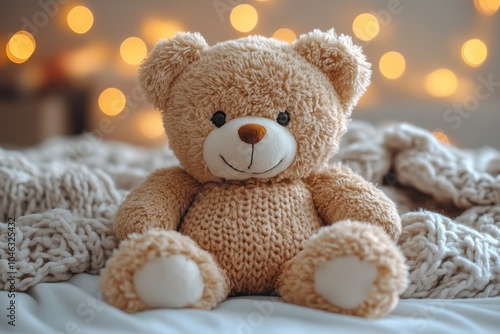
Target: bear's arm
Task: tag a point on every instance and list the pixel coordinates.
(340, 194)
(160, 201)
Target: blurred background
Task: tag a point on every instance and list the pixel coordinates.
(69, 67)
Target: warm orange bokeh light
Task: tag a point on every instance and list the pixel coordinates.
(112, 101)
(441, 82)
(487, 7)
(392, 65)
(85, 61)
(285, 35)
(442, 137)
(20, 47)
(80, 19)
(244, 18)
(151, 124)
(474, 52)
(366, 27)
(133, 50)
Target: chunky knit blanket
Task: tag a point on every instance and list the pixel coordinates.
(58, 201)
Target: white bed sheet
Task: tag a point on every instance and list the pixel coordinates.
(75, 306)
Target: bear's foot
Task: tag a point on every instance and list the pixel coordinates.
(169, 282)
(162, 269)
(350, 268)
(345, 281)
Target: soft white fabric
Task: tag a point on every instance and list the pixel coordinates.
(64, 194)
(229, 157)
(345, 281)
(76, 307)
(171, 282)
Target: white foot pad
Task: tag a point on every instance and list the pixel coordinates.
(171, 282)
(345, 281)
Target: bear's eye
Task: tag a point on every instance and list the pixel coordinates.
(219, 118)
(283, 118)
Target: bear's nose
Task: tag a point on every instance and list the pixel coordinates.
(251, 133)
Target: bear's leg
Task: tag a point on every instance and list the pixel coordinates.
(162, 269)
(350, 267)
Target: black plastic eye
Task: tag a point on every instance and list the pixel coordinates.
(283, 118)
(219, 118)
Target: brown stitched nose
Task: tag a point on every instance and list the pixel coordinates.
(251, 133)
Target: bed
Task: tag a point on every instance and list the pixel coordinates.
(60, 198)
(75, 307)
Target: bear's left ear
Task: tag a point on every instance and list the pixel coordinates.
(167, 60)
(343, 63)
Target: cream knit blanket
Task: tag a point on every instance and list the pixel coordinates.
(61, 197)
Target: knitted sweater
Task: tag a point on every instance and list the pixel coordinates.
(252, 230)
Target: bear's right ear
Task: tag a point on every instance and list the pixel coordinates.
(167, 60)
(343, 63)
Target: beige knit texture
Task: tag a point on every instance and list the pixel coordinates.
(64, 205)
(252, 230)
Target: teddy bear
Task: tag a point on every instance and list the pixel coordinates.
(254, 207)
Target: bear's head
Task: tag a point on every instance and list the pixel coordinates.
(255, 107)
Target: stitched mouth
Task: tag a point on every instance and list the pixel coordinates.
(252, 173)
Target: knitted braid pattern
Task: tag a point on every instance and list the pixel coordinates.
(63, 196)
(431, 182)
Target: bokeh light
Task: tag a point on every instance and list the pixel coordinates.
(151, 124)
(20, 47)
(80, 19)
(487, 7)
(3, 56)
(366, 27)
(285, 34)
(392, 65)
(85, 61)
(441, 136)
(133, 50)
(244, 18)
(474, 52)
(112, 101)
(155, 30)
(441, 82)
